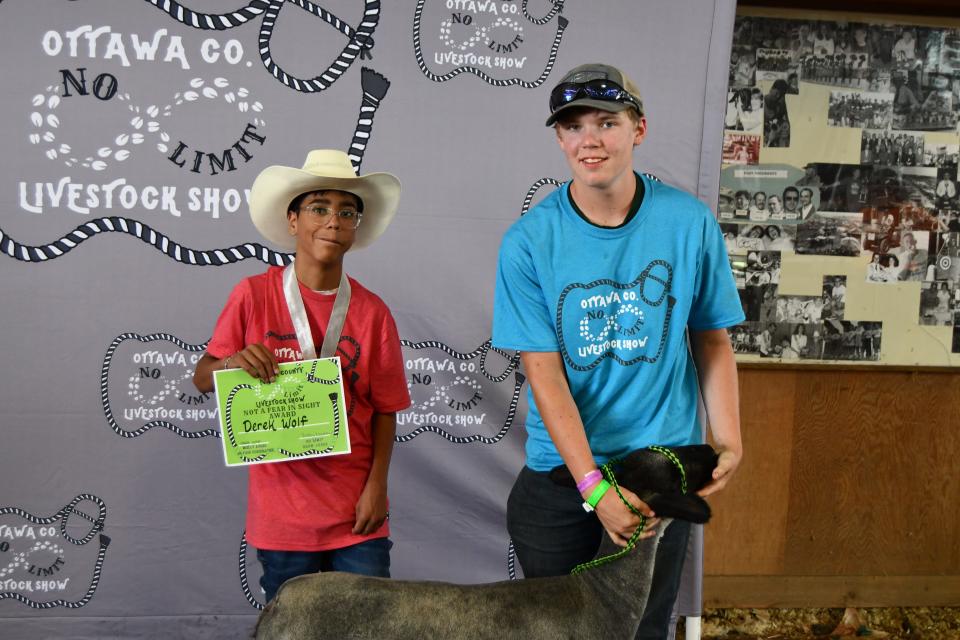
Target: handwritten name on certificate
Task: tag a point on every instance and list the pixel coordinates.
(299, 415)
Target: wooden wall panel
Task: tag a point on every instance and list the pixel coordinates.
(750, 516)
(849, 477)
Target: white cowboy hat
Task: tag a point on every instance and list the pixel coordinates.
(277, 186)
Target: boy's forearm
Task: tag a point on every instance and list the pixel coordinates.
(384, 428)
(559, 412)
(203, 374)
(717, 370)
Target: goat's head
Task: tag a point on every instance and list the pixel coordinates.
(657, 480)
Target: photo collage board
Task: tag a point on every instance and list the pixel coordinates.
(839, 189)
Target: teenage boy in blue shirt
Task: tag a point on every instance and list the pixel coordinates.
(598, 288)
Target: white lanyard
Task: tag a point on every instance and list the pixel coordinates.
(298, 314)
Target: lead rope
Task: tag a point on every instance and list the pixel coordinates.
(607, 470)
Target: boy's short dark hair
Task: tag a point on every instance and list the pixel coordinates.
(296, 202)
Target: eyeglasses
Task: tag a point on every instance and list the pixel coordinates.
(791, 197)
(605, 90)
(348, 217)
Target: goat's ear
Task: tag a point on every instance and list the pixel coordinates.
(689, 507)
(562, 476)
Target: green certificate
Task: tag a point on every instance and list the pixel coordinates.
(300, 415)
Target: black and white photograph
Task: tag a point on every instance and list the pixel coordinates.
(759, 303)
(859, 109)
(903, 185)
(941, 156)
(763, 267)
(785, 208)
(766, 339)
(741, 238)
(743, 30)
(834, 297)
(944, 263)
(775, 64)
(803, 341)
(946, 190)
(948, 221)
(730, 231)
(937, 303)
(830, 233)
(744, 111)
(846, 70)
(743, 67)
(776, 119)
(800, 309)
(912, 255)
(884, 147)
(851, 340)
(783, 342)
(745, 338)
(923, 102)
(949, 61)
(843, 187)
(883, 267)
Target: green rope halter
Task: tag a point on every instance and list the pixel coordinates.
(607, 470)
(676, 462)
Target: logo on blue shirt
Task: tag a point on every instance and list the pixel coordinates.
(626, 322)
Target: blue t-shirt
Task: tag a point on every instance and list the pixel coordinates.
(616, 303)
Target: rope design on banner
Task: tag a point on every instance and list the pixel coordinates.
(94, 582)
(244, 582)
(481, 351)
(359, 44)
(65, 513)
(374, 87)
(62, 515)
(557, 8)
(421, 62)
(137, 229)
(511, 561)
(336, 433)
(105, 386)
(511, 413)
(216, 21)
(527, 199)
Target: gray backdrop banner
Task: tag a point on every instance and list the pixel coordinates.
(132, 132)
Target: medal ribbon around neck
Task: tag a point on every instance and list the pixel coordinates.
(298, 314)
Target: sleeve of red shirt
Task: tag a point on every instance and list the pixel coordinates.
(388, 377)
(229, 334)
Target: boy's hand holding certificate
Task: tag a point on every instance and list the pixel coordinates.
(300, 415)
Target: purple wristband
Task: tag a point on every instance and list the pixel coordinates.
(589, 480)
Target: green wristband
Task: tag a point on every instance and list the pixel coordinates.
(597, 493)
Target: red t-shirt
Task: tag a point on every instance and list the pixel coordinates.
(309, 505)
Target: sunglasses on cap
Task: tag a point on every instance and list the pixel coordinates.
(605, 90)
